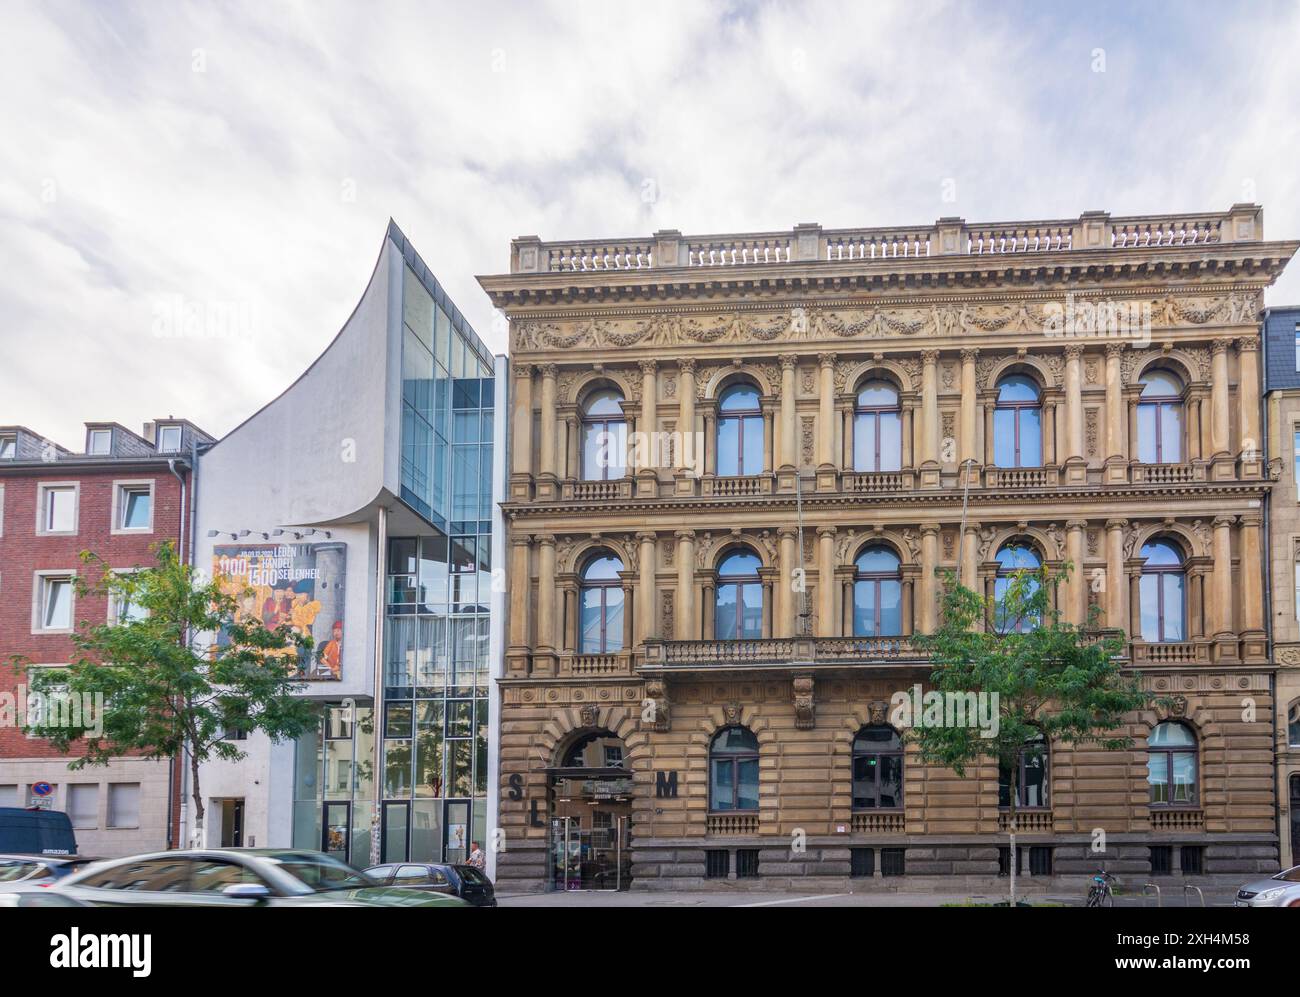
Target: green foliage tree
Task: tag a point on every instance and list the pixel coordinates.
(1049, 677)
(166, 685)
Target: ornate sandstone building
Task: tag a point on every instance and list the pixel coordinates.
(709, 617)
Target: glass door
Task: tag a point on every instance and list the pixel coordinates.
(396, 822)
(457, 825)
(334, 829)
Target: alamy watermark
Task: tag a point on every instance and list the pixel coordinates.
(1122, 320)
(936, 709)
(35, 710)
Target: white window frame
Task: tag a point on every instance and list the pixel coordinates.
(162, 431)
(120, 488)
(91, 434)
(43, 489)
(39, 581)
(27, 678)
(114, 604)
(9, 438)
(67, 805)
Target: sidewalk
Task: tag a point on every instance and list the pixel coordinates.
(727, 898)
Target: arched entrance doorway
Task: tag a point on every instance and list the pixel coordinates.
(591, 806)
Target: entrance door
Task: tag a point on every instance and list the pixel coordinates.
(334, 829)
(232, 823)
(394, 833)
(1295, 820)
(458, 831)
(589, 858)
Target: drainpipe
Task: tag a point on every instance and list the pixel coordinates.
(377, 717)
(180, 553)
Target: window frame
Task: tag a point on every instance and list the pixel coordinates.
(1017, 409)
(861, 412)
(161, 432)
(734, 757)
(739, 582)
(1159, 403)
(1044, 747)
(876, 578)
(602, 585)
(43, 490)
(98, 433)
(1159, 571)
(121, 489)
(740, 417)
(40, 581)
(588, 422)
(855, 753)
(1168, 754)
(1002, 572)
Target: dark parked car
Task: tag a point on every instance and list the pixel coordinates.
(463, 881)
(39, 870)
(36, 832)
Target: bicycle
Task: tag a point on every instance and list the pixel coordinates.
(1101, 892)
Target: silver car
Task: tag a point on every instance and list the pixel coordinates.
(1282, 890)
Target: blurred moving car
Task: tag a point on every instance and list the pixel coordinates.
(463, 881)
(1282, 890)
(237, 877)
(36, 832)
(35, 895)
(39, 870)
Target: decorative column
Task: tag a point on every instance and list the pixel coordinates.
(571, 469)
(768, 437)
(988, 400)
(969, 395)
(1051, 437)
(629, 612)
(1219, 399)
(546, 476)
(1074, 414)
(826, 412)
(568, 583)
(1076, 609)
(710, 443)
(1222, 578)
(544, 652)
(929, 407)
(1115, 586)
(521, 434)
(925, 611)
(767, 578)
(970, 552)
(685, 560)
(908, 402)
(789, 450)
(848, 415)
(689, 460)
(1194, 432)
(646, 587)
(520, 583)
(825, 581)
(1131, 404)
(788, 601)
(647, 473)
(1116, 437)
(1252, 445)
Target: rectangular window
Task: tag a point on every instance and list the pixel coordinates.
(1191, 859)
(124, 804)
(746, 863)
(9, 795)
(58, 509)
(717, 863)
(8, 447)
(169, 439)
(54, 602)
(1040, 860)
(1162, 860)
(99, 442)
(83, 805)
(134, 507)
(893, 861)
(862, 863)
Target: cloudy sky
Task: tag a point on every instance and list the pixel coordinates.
(162, 161)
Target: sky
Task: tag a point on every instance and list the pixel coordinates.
(193, 196)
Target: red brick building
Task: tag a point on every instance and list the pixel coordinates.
(121, 496)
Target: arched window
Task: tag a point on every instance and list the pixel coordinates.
(739, 609)
(733, 770)
(1162, 592)
(877, 428)
(877, 768)
(1017, 423)
(740, 431)
(1031, 775)
(1160, 419)
(1013, 558)
(601, 602)
(1171, 764)
(877, 593)
(604, 436)
(1293, 727)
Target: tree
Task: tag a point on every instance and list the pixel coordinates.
(165, 686)
(1042, 676)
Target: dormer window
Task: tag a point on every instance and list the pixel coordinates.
(169, 439)
(8, 446)
(99, 442)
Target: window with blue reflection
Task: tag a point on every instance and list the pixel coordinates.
(739, 603)
(1162, 593)
(877, 593)
(1171, 764)
(604, 436)
(877, 428)
(740, 431)
(1160, 419)
(733, 770)
(1013, 559)
(600, 602)
(1017, 423)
